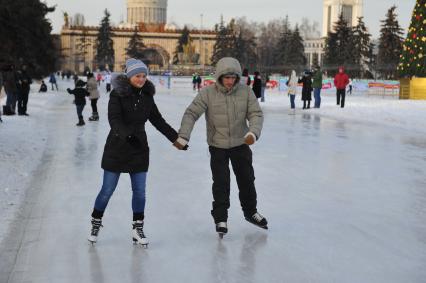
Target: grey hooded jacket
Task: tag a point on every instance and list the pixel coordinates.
(230, 115)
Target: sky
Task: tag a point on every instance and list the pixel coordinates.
(189, 11)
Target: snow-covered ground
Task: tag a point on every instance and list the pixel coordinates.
(344, 190)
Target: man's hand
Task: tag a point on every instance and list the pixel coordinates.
(181, 144)
(250, 138)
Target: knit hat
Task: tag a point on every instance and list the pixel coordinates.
(134, 67)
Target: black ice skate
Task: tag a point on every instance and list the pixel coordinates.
(94, 117)
(258, 220)
(221, 229)
(80, 122)
(96, 225)
(139, 237)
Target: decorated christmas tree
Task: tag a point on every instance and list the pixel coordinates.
(413, 57)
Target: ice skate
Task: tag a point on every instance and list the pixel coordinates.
(258, 220)
(80, 122)
(94, 117)
(221, 229)
(96, 225)
(139, 237)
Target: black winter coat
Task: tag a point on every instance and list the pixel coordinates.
(307, 87)
(80, 95)
(126, 149)
(257, 87)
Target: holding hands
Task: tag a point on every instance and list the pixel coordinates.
(181, 144)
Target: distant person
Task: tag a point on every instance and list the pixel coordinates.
(306, 80)
(194, 81)
(92, 87)
(257, 85)
(317, 85)
(350, 86)
(292, 90)
(199, 82)
(43, 87)
(245, 77)
(80, 94)
(99, 78)
(1, 87)
(52, 81)
(24, 91)
(11, 87)
(341, 80)
(264, 87)
(108, 81)
(75, 78)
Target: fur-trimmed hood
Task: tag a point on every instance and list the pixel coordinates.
(122, 87)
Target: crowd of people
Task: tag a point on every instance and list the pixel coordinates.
(312, 81)
(16, 84)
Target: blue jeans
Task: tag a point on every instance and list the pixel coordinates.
(317, 95)
(80, 110)
(110, 183)
(292, 98)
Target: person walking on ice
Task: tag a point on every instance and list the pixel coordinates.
(228, 105)
(126, 150)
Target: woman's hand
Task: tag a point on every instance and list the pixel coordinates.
(181, 144)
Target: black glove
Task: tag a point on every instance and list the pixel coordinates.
(133, 140)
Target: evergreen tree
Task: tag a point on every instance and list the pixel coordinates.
(339, 47)
(232, 40)
(413, 58)
(390, 45)
(26, 36)
(104, 44)
(282, 52)
(246, 48)
(361, 48)
(183, 40)
(226, 42)
(136, 46)
(296, 59)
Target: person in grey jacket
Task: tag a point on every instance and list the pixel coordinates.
(228, 106)
(92, 87)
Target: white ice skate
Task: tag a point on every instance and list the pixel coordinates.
(96, 225)
(138, 235)
(221, 229)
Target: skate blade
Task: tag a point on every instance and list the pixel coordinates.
(136, 243)
(92, 242)
(263, 227)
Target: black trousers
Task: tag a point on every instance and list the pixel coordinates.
(93, 103)
(23, 101)
(341, 94)
(241, 160)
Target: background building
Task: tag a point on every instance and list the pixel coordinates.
(351, 9)
(149, 17)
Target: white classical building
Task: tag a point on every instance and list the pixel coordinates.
(351, 9)
(147, 11)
